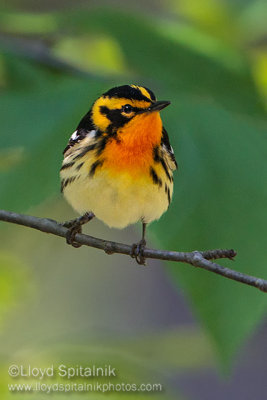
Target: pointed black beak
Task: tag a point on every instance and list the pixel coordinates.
(158, 105)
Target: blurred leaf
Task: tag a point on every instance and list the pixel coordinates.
(100, 54)
(22, 74)
(43, 133)
(219, 202)
(13, 284)
(180, 348)
(259, 68)
(253, 20)
(27, 23)
(212, 16)
(42, 118)
(172, 65)
(204, 44)
(10, 158)
(2, 72)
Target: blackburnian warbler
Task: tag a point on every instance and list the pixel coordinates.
(118, 163)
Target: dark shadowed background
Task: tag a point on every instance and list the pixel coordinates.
(201, 336)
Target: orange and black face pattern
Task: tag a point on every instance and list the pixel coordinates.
(113, 110)
(119, 105)
(123, 109)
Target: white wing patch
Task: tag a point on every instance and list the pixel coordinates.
(81, 135)
(74, 136)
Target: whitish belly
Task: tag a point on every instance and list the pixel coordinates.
(118, 201)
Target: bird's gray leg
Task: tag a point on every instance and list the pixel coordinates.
(138, 248)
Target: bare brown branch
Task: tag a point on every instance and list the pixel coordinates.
(199, 259)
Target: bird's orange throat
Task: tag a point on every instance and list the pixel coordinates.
(132, 150)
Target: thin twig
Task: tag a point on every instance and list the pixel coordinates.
(196, 258)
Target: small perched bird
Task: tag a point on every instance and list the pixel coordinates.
(118, 163)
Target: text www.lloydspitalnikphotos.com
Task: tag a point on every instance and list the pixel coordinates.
(68, 373)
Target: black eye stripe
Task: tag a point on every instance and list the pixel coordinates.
(107, 111)
(116, 118)
(104, 110)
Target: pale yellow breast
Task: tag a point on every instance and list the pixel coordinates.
(118, 200)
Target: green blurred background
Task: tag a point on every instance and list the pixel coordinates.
(201, 336)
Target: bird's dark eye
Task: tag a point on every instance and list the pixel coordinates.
(127, 108)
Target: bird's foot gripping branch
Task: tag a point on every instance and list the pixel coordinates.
(200, 259)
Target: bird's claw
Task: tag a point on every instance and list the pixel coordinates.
(137, 252)
(75, 226)
(70, 236)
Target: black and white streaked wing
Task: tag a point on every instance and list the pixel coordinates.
(79, 145)
(167, 150)
(77, 137)
(84, 129)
